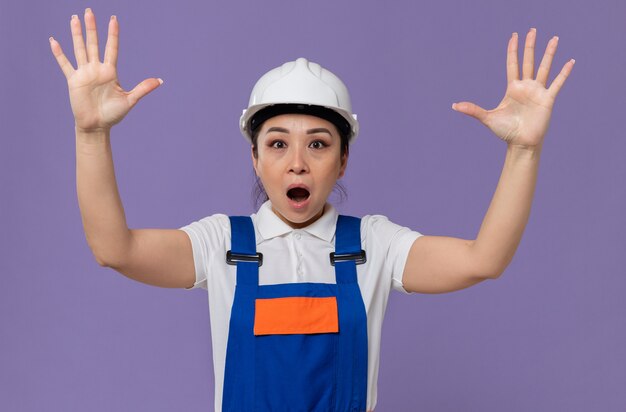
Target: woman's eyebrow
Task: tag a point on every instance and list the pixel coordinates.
(318, 130)
(277, 129)
(310, 131)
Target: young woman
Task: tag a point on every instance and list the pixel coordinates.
(297, 293)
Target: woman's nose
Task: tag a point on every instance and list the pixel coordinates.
(298, 163)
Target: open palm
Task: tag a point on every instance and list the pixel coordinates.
(523, 116)
(98, 101)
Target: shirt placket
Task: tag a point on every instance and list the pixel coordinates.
(297, 236)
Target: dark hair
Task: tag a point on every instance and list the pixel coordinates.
(259, 196)
(258, 118)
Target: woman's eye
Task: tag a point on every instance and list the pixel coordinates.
(277, 144)
(318, 144)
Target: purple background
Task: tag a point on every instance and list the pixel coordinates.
(549, 335)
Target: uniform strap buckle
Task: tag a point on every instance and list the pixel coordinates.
(358, 257)
(233, 258)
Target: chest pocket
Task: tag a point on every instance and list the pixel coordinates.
(296, 315)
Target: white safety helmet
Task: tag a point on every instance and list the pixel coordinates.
(304, 87)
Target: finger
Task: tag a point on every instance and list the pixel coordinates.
(470, 109)
(546, 62)
(512, 69)
(65, 64)
(77, 39)
(92, 36)
(558, 82)
(110, 51)
(143, 89)
(528, 66)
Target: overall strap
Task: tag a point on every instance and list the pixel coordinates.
(243, 250)
(352, 347)
(348, 252)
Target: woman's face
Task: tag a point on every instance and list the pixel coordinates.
(298, 164)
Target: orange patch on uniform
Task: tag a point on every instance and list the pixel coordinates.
(296, 315)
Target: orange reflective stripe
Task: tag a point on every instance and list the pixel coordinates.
(297, 315)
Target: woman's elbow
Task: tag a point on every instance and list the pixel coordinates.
(108, 259)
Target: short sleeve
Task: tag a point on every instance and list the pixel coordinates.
(396, 240)
(207, 238)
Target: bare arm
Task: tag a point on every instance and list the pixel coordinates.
(440, 264)
(158, 257)
(100, 205)
(507, 216)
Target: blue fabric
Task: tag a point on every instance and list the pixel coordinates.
(319, 372)
(352, 349)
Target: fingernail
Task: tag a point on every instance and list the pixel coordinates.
(453, 104)
(557, 38)
(114, 17)
(74, 16)
(573, 61)
(514, 33)
(87, 10)
(160, 80)
(50, 39)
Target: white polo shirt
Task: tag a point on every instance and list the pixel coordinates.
(299, 255)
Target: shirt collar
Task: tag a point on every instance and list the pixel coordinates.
(269, 225)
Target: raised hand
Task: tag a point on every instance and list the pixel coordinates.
(523, 115)
(98, 101)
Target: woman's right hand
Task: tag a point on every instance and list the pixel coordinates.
(98, 101)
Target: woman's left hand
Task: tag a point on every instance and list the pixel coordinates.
(522, 117)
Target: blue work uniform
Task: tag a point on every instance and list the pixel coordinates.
(297, 347)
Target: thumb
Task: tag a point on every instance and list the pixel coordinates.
(470, 109)
(143, 89)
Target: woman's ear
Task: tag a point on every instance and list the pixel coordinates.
(254, 160)
(344, 164)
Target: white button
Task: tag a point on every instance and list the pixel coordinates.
(297, 235)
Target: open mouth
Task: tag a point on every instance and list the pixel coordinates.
(298, 194)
